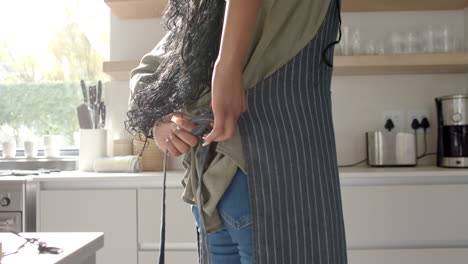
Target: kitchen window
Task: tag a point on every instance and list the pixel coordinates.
(46, 48)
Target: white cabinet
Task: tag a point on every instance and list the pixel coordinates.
(414, 212)
(172, 257)
(181, 234)
(110, 211)
(406, 216)
(409, 256)
(180, 224)
(389, 218)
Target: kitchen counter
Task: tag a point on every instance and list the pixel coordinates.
(420, 175)
(348, 177)
(386, 210)
(402, 171)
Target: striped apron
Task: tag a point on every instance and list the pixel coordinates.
(289, 145)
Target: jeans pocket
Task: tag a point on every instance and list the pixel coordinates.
(238, 222)
(234, 206)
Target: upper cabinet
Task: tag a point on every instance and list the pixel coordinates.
(129, 9)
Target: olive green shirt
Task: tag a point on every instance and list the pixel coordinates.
(282, 29)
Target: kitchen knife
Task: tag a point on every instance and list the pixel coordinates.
(84, 114)
(103, 114)
(92, 96)
(85, 91)
(92, 103)
(99, 92)
(97, 114)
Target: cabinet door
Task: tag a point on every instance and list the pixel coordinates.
(413, 256)
(110, 211)
(180, 224)
(172, 257)
(410, 212)
(388, 216)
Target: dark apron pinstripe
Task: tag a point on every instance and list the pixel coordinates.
(289, 144)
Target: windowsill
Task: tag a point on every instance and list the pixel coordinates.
(39, 158)
(40, 153)
(63, 163)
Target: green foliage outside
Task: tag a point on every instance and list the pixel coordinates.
(74, 58)
(40, 75)
(47, 108)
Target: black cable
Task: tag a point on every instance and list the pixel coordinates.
(145, 144)
(42, 248)
(352, 165)
(425, 144)
(428, 154)
(17, 250)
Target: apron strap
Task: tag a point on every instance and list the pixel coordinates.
(202, 127)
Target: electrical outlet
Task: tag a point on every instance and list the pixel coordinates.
(419, 114)
(397, 118)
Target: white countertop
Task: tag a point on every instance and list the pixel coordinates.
(178, 174)
(348, 176)
(77, 247)
(420, 175)
(402, 171)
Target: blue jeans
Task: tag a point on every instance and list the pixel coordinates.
(232, 244)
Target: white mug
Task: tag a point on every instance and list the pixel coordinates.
(52, 145)
(9, 149)
(30, 149)
(93, 145)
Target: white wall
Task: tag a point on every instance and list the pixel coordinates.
(130, 40)
(358, 101)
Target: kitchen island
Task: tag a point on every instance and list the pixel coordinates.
(78, 248)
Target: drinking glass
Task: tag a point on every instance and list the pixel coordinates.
(396, 41)
(356, 42)
(429, 45)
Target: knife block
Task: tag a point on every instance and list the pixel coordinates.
(152, 158)
(93, 145)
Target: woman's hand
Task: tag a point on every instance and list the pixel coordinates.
(228, 102)
(227, 88)
(173, 134)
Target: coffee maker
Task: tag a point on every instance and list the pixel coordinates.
(452, 139)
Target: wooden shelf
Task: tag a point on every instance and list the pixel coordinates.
(128, 9)
(401, 5)
(356, 65)
(119, 70)
(154, 8)
(402, 64)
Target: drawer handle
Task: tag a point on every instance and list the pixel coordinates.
(174, 246)
(7, 222)
(406, 244)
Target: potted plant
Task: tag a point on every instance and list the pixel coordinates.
(53, 142)
(8, 139)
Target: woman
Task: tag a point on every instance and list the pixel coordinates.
(271, 191)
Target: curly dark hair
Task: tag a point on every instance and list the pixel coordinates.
(185, 72)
